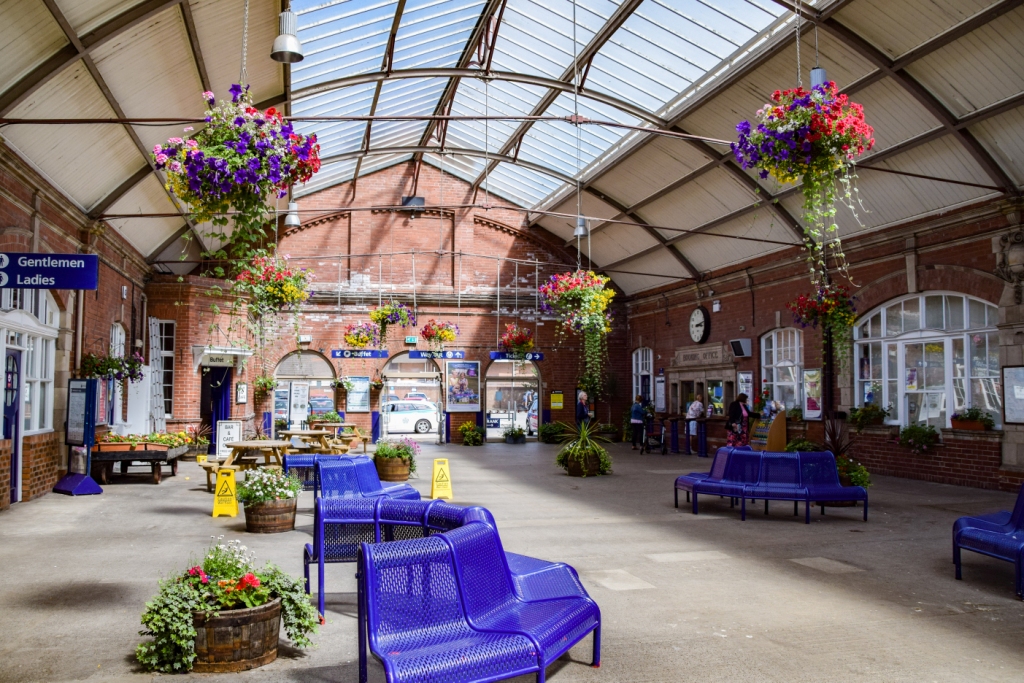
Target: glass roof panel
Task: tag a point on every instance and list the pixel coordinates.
(330, 174)
(433, 33)
(336, 137)
(409, 97)
(501, 98)
(341, 38)
(458, 165)
(520, 185)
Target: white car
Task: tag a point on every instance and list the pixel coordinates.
(411, 416)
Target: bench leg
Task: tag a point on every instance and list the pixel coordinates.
(320, 582)
(807, 512)
(361, 618)
(823, 509)
(766, 506)
(541, 674)
(865, 509)
(743, 509)
(687, 496)
(796, 508)
(694, 506)
(596, 663)
(677, 497)
(956, 561)
(305, 570)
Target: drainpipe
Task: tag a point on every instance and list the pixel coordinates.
(79, 324)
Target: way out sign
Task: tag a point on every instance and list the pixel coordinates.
(441, 480)
(224, 500)
(49, 271)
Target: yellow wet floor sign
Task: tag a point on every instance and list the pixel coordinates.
(224, 500)
(441, 481)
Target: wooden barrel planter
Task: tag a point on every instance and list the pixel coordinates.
(392, 469)
(270, 518)
(591, 467)
(238, 639)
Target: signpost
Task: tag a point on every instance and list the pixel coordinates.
(350, 353)
(505, 355)
(437, 355)
(49, 271)
(80, 434)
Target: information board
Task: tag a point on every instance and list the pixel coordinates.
(298, 405)
(812, 395)
(357, 399)
(462, 383)
(416, 354)
(80, 421)
(228, 431)
(505, 355)
(1013, 399)
(556, 400)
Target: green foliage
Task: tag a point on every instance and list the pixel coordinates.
(802, 444)
(918, 437)
(331, 416)
(263, 485)
(549, 432)
(225, 579)
(513, 431)
(472, 435)
(976, 415)
(404, 448)
(262, 386)
(580, 443)
(857, 473)
(794, 415)
(869, 413)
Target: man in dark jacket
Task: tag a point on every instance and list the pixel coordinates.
(582, 411)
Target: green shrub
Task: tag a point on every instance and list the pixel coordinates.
(802, 444)
(404, 448)
(263, 485)
(858, 474)
(549, 432)
(472, 435)
(513, 431)
(580, 443)
(918, 437)
(976, 415)
(869, 413)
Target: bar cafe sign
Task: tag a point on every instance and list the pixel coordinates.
(711, 354)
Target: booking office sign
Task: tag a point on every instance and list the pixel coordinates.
(49, 271)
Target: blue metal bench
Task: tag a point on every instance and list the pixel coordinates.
(304, 467)
(355, 476)
(1002, 521)
(757, 475)
(686, 482)
(998, 535)
(445, 608)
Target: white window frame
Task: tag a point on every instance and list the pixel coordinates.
(643, 364)
(957, 387)
(118, 339)
(165, 357)
(32, 313)
(793, 339)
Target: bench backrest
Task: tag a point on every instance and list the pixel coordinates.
(779, 469)
(1017, 516)
(341, 524)
(743, 467)
(337, 479)
(719, 463)
(819, 469)
(412, 594)
(483, 571)
(366, 472)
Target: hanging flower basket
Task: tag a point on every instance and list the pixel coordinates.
(361, 335)
(391, 313)
(438, 333)
(270, 285)
(832, 308)
(242, 157)
(113, 367)
(581, 301)
(516, 340)
(810, 136)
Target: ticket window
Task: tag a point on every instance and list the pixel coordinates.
(716, 397)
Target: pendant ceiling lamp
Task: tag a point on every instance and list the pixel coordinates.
(287, 48)
(292, 219)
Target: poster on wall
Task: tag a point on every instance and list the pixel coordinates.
(812, 394)
(659, 394)
(745, 385)
(462, 384)
(557, 400)
(357, 399)
(241, 393)
(1013, 390)
(228, 431)
(298, 405)
(102, 402)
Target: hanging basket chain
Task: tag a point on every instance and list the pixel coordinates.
(242, 76)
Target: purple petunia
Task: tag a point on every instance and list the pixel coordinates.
(236, 92)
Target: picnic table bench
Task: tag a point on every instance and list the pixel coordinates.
(240, 458)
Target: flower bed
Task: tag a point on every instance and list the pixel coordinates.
(811, 136)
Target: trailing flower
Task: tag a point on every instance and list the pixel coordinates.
(270, 285)
(517, 340)
(113, 367)
(262, 386)
(403, 449)
(811, 136)
(581, 301)
(391, 313)
(918, 437)
(242, 157)
(361, 335)
(832, 308)
(263, 485)
(437, 334)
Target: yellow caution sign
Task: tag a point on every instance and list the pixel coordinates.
(441, 481)
(224, 500)
(201, 457)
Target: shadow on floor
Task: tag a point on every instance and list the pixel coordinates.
(84, 595)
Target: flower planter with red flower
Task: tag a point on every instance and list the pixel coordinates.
(517, 341)
(438, 333)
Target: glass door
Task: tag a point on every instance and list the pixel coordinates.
(924, 382)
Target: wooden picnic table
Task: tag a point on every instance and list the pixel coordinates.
(356, 434)
(314, 437)
(271, 450)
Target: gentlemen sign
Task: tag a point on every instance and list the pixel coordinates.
(49, 271)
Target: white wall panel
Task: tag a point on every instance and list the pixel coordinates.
(86, 15)
(649, 169)
(28, 36)
(710, 251)
(617, 242)
(219, 25)
(145, 234)
(710, 196)
(1003, 136)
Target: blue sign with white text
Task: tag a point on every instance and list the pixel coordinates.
(438, 355)
(49, 271)
(505, 355)
(349, 353)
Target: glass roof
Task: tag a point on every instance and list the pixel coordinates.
(645, 60)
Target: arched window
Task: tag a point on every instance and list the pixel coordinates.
(303, 386)
(643, 364)
(782, 361)
(927, 356)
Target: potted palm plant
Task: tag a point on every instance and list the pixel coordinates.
(269, 497)
(582, 454)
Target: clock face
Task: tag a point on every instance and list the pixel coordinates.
(700, 325)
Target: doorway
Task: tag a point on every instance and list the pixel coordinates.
(215, 400)
(12, 415)
(512, 395)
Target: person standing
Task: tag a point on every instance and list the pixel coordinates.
(582, 411)
(738, 423)
(636, 420)
(693, 413)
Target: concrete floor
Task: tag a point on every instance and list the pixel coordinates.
(697, 598)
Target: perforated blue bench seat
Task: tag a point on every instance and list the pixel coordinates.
(991, 535)
(304, 467)
(424, 598)
(1000, 522)
(355, 477)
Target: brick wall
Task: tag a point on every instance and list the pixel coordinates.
(5, 474)
(42, 457)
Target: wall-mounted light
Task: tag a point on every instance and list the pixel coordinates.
(287, 48)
